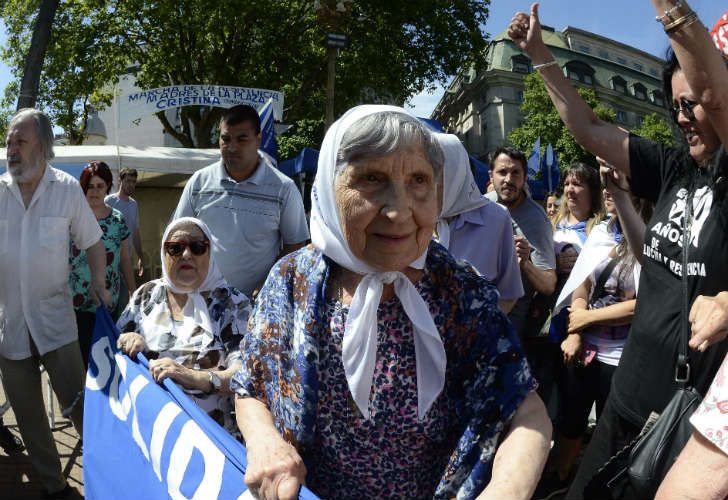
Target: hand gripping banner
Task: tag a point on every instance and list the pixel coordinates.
(146, 440)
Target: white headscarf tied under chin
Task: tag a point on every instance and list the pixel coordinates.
(195, 310)
(460, 193)
(359, 348)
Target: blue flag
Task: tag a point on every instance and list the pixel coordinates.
(145, 440)
(268, 131)
(550, 173)
(534, 161)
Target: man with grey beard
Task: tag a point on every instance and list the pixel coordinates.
(41, 210)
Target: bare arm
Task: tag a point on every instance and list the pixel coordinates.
(506, 305)
(275, 469)
(542, 280)
(137, 239)
(522, 454)
(702, 65)
(617, 314)
(127, 273)
(96, 257)
(698, 473)
(601, 138)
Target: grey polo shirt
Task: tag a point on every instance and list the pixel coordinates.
(250, 220)
(531, 221)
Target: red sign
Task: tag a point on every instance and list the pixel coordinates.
(720, 34)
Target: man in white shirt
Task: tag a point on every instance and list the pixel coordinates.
(254, 211)
(41, 210)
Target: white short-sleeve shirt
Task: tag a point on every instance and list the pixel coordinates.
(35, 300)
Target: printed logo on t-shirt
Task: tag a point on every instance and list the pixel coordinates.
(671, 230)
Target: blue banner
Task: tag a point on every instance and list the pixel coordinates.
(534, 160)
(146, 440)
(268, 131)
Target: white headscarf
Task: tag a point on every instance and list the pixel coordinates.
(460, 193)
(359, 348)
(195, 310)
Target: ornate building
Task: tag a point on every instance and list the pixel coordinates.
(482, 107)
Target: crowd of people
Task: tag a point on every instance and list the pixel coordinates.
(415, 339)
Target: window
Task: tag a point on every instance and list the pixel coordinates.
(654, 73)
(580, 72)
(638, 120)
(604, 54)
(622, 61)
(585, 49)
(619, 84)
(621, 116)
(658, 98)
(637, 66)
(519, 96)
(640, 92)
(520, 64)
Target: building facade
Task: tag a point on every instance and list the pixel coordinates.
(482, 107)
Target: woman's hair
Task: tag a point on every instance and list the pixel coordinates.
(100, 169)
(589, 177)
(177, 224)
(381, 134)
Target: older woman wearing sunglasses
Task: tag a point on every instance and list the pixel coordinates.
(190, 321)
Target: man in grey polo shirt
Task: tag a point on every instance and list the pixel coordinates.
(255, 212)
(535, 249)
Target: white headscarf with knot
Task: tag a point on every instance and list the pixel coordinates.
(195, 311)
(460, 192)
(359, 347)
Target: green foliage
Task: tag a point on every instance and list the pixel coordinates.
(540, 119)
(306, 133)
(395, 49)
(656, 128)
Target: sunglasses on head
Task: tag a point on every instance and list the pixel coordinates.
(684, 105)
(177, 248)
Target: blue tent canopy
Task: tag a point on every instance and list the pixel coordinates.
(433, 124)
(306, 161)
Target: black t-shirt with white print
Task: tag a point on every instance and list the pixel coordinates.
(644, 380)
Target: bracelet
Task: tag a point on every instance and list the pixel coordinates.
(669, 12)
(552, 62)
(681, 22)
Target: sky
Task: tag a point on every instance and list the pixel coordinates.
(631, 22)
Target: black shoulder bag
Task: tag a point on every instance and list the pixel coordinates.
(642, 465)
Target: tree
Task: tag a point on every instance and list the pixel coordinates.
(655, 127)
(36, 53)
(395, 49)
(540, 119)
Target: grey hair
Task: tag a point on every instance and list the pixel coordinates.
(43, 128)
(381, 134)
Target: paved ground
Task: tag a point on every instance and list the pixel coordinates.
(17, 481)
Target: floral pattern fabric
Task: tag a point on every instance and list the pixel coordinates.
(148, 314)
(711, 417)
(114, 231)
(292, 362)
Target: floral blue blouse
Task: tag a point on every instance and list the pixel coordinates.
(290, 363)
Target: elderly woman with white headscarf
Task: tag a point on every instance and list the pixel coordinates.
(474, 228)
(374, 357)
(190, 322)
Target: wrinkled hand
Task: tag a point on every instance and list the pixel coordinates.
(578, 320)
(275, 469)
(612, 180)
(523, 248)
(131, 343)
(565, 261)
(571, 348)
(525, 30)
(708, 320)
(163, 368)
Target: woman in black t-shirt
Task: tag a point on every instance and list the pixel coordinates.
(696, 83)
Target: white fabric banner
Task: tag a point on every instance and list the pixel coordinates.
(134, 105)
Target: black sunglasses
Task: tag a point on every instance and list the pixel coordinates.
(684, 105)
(177, 248)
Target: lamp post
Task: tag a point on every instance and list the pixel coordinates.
(331, 14)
